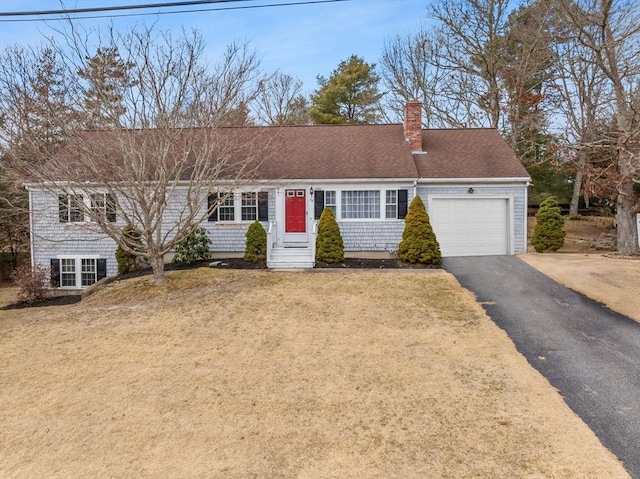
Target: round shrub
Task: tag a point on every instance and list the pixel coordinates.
(129, 262)
(329, 244)
(193, 247)
(256, 246)
(419, 243)
(548, 234)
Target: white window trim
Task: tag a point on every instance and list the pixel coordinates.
(382, 189)
(237, 207)
(78, 268)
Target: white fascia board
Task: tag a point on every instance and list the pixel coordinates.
(337, 181)
(465, 181)
(245, 183)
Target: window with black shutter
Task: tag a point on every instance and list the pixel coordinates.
(110, 201)
(101, 269)
(263, 206)
(212, 202)
(403, 196)
(55, 272)
(318, 203)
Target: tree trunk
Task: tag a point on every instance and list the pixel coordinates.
(627, 232)
(575, 196)
(157, 267)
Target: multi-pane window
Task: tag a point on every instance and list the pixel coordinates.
(67, 272)
(77, 272)
(360, 204)
(245, 207)
(249, 206)
(391, 204)
(70, 208)
(103, 205)
(330, 201)
(88, 272)
(226, 209)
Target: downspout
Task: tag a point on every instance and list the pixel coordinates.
(526, 215)
(32, 251)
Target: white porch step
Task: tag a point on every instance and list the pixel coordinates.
(290, 258)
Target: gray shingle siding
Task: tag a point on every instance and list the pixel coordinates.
(51, 238)
(371, 235)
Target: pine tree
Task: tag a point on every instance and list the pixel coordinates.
(350, 95)
(106, 74)
(329, 244)
(548, 234)
(419, 243)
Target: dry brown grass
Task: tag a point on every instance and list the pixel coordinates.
(580, 234)
(239, 374)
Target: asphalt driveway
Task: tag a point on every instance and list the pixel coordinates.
(588, 352)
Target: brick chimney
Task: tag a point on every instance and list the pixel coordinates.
(413, 124)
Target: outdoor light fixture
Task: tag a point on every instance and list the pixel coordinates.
(311, 191)
(470, 191)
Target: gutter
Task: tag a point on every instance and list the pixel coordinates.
(525, 180)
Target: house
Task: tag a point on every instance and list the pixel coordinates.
(472, 184)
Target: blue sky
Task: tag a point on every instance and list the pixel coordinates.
(300, 40)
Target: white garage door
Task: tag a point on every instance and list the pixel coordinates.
(471, 226)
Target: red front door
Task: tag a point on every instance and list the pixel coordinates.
(295, 206)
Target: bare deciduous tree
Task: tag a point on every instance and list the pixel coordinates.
(281, 102)
(610, 30)
(155, 167)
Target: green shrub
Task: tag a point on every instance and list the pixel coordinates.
(329, 244)
(419, 243)
(256, 246)
(193, 247)
(129, 262)
(548, 234)
(576, 218)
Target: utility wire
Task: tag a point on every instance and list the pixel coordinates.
(164, 5)
(69, 11)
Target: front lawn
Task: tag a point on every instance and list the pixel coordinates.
(240, 374)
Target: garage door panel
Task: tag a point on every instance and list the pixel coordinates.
(470, 227)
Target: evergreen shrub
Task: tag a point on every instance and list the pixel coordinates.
(419, 243)
(329, 244)
(548, 234)
(129, 262)
(256, 246)
(193, 247)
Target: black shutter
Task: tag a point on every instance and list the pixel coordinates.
(55, 272)
(263, 206)
(101, 269)
(110, 205)
(63, 209)
(402, 203)
(212, 199)
(318, 203)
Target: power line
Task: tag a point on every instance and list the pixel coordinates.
(163, 5)
(69, 11)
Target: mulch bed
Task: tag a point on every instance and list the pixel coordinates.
(228, 263)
